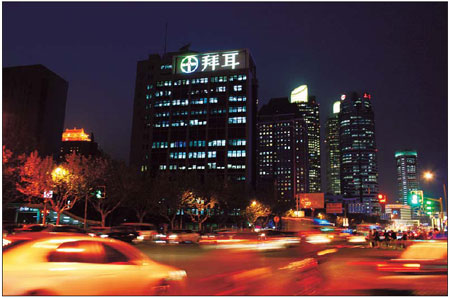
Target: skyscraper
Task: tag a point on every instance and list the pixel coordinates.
(359, 172)
(282, 157)
(196, 111)
(309, 110)
(332, 151)
(406, 174)
(34, 108)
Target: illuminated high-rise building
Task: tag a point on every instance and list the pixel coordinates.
(309, 110)
(359, 172)
(77, 141)
(282, 158)
(332, 152)
(407, 179)
(196, 112)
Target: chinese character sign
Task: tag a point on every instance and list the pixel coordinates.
(311, 200)
(210, 62)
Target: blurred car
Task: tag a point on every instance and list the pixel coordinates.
(51, 228)
(288, 238)
(73, 264)
(420, 257)
(146, 231)
(422, 269)
(99, 231)
(122, 233)
(182, 236)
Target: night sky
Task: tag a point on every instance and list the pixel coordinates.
(396, 51)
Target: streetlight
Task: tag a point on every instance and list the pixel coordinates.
(254, 203)
(59, 173)
(428, 176)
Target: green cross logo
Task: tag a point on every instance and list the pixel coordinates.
(189, 64)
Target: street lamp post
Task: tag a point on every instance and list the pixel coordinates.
(428, 176)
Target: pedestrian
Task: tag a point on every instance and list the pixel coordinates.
(404, 239)
(376, 237)
(394, 239)
(371, 239)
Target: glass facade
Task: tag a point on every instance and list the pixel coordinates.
(407, 179)
(309, 110)
(282, 150)
(358, 160)
(332, 153)
(195, 120)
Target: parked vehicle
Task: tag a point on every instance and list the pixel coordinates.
(76, 265)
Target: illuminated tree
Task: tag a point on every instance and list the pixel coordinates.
(256, 210)
(10, 176)
(200, 199)
(39, 175)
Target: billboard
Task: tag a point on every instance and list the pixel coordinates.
(334, 207)
(311, 200)
(209, 62)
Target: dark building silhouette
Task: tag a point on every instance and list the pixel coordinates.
(332, 152)
(34, 105)
(282, 152)
(359, 172)
(196, 111)
(309, 110)
(77, 141)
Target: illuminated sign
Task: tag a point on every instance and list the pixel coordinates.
(312, 200)
(300, 94)
(48, 194)
(367, 96)
(210, 62)
(337, 107)
(75, 135)
(334, 207)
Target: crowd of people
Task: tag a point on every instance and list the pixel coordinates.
(392, 239)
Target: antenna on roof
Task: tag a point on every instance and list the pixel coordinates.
(165, 40)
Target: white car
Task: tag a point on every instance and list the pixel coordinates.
(80, 265)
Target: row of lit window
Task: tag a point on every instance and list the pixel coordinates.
(237, 120)
(236, 154)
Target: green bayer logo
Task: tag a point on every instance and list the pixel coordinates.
(189, 64)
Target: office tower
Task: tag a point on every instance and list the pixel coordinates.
(77, 141)
(332, 152)
(282, 157)
(359, 173)
(34, 107)
(309, 110)
(407, 179)
(196, 111)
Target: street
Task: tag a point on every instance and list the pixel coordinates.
(341, 270)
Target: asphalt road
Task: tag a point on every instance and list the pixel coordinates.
(341, 269)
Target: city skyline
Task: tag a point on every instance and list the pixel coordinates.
(100, 69)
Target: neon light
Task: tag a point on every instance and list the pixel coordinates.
(189, 64)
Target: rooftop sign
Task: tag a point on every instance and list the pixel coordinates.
(210, 62)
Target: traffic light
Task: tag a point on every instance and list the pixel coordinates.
(99, 193)
(382, 198)
(416, 197)
(429, 207)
